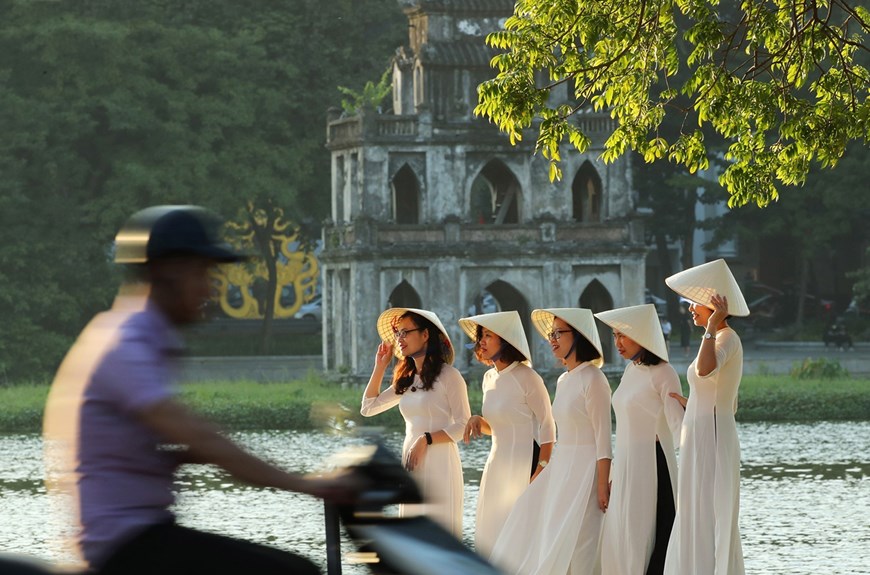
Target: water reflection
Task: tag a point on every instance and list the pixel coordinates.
(805, 497)
(804, 505)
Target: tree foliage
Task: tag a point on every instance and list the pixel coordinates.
(784, 83)
(371, 95)
(107, 107)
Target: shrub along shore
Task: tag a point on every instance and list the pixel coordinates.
(314, 403)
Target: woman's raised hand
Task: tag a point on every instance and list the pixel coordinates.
(384, 354)
(719, 303)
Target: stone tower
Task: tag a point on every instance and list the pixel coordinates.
(433, 208)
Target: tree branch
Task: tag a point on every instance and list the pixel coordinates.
(628, 46)
(852, 13)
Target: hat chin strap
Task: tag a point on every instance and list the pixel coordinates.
(495, 357)
(417, 354)
(570, 349)
(636, 356)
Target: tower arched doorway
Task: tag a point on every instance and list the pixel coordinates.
(404, 295)
(496, 195)
(502, 296)
(596, 298)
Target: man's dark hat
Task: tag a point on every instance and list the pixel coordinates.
(161, 232)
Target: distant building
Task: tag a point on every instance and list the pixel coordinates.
(433, 208)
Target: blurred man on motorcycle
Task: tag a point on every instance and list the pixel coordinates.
(115, 432)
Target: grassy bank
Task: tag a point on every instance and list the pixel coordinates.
(314, 403)
(783, 398)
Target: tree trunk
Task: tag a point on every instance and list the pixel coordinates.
(269, 311)
(802, 292)
(269, 253)
(666, 269)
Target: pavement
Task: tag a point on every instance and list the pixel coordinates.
(759, 358)
(777, 357)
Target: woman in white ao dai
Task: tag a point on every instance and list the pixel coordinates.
(641, 513)
(706, 537)
(515, 412)
(433, 399)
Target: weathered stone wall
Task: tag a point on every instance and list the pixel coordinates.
(450, 285)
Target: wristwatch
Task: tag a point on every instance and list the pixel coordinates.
(543, 462)
(708, 335)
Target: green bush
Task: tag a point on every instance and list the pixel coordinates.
(821, 368)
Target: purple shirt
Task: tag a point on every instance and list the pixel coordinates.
(120, 476)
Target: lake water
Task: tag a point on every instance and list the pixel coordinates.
(805, 497)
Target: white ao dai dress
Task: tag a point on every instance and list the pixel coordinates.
(555, 525)
(516, 405)
(444, 407)
(644, 411)
(706, 538)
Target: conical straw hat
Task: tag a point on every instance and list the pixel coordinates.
(506, 324)
(698, 284)
(388, 318)
(578, 318)
(640, 323)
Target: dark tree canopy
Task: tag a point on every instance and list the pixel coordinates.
(107, 107)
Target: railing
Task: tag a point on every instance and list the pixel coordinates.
(396, 125)
(353, 129)
(591, 233)
(344, 130)
(346, 235)
(595, 123)
(392, 235)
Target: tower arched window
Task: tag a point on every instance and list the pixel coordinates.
(586, 194)
(406, 197)
(496, 195)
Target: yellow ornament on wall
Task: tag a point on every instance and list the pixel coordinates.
(238, 286)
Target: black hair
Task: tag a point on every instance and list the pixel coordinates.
(507, 353)
(403, 375)
(476, 349)
(583, 348)
(646, 357)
